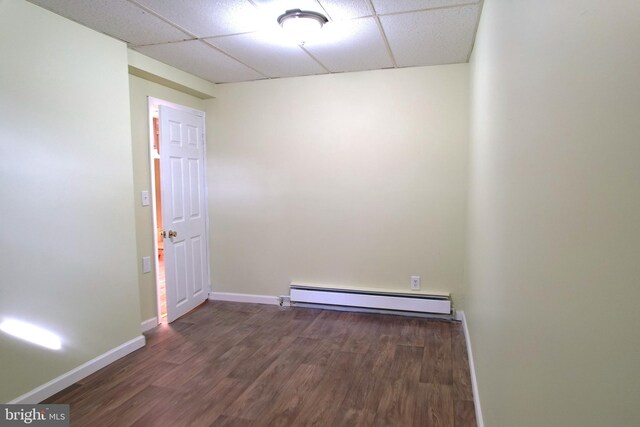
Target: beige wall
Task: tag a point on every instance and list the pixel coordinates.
(347, 179)
(555, 213)
(67, 242)
(140, 90)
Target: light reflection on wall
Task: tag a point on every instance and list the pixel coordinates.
(31, 333)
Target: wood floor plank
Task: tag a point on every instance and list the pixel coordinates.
(397, 403)
(198, 407)
(268, 384)
(354, 418)
(369, 380)
(461, 372)
(286, 407)
(360, 405)
(182, 375)
(96, 402)
(130, 410)
(226, 421)
(437, 365)
(364, 327)
(107, 395)
(434, 406)
(216, 370)
(234, 364)
(331, 391)
(464, 413)
(262, 358)
(325, 351)
(406, 363)
(329, 324)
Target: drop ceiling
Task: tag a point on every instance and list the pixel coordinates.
(239, 40)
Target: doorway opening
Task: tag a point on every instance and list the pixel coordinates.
(157, 210)
(161, 288)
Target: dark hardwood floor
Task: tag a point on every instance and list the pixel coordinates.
(232, 364)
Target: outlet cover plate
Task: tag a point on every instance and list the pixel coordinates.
(146, 264)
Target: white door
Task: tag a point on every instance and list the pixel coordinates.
(183, 209)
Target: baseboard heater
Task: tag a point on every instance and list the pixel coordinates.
(360, 299)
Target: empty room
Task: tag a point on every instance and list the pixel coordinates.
(320, 212)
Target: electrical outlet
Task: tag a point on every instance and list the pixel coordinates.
(415, 283)
(146, 264)
(284, 300)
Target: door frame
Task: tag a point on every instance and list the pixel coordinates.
(153, 105)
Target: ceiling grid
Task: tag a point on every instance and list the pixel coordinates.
(239, 40)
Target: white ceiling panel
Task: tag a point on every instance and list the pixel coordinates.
(440, 36)
(200, 59)
(117, 18)
(206, 18)
(395, 6)
(270, 52)
(346, 9)
(350, 46)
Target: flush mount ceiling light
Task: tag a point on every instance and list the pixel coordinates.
(302, 25)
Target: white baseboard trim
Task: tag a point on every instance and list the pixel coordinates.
(474, 382)
(255, 299)
(44, 391)
(149, 324)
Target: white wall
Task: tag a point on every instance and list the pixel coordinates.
(555, 212)
(347, 179)
(67, 238)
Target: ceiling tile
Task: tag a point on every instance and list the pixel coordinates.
(206, 18)
(440, 36)
(350, 46)
(419, 32)
(117, 18)
(200, 59)
(394, 6)
(270, 52)
(346, 9)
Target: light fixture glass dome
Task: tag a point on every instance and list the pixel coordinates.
(302, 25)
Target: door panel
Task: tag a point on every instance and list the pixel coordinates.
(183, 210)
(194, 188)
(180, 259)
(198, 271)
(177, 190)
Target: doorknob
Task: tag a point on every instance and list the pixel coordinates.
(171, 234)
